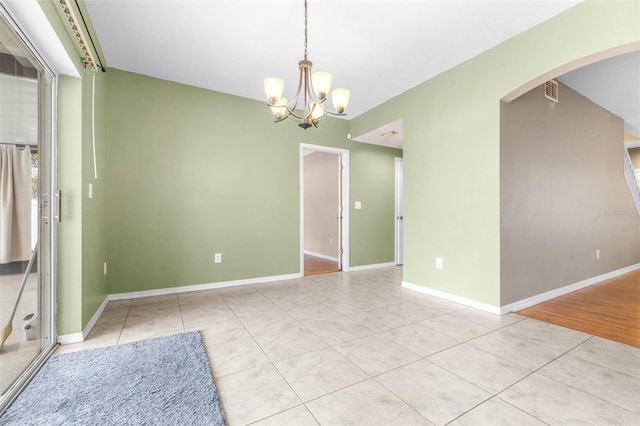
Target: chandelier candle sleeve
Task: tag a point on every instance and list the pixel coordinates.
(340, 99)
(321, 82)
(273, 88)
(308, 105)
(279, 108)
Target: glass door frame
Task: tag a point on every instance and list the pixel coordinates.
(48, 200)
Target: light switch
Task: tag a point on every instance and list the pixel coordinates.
(358, 205)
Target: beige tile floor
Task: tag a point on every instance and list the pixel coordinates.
(356, 348)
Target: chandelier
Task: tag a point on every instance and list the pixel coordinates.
(311, 95)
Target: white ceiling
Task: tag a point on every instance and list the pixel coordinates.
(377, 49)
(614, 84)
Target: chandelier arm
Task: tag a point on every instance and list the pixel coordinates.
(297, 97)
(307, 94)
(293, 113)
(339, 114)
(290, 112)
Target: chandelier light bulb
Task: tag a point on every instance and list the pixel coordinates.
(340, 99)
(273, 88)
(321, 82)
(317, 111)
(279, 108)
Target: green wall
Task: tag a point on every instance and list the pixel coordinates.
(81, 285)
(452, 145)
(69, 289)
(193, 172)
(188, 172)
(94, 209)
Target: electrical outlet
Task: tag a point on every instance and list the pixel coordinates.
(598, 254)
(438, 262)
(104, 267)
(90, 190)
(218, 258)
(330, 241)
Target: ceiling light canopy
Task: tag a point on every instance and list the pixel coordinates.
(311, 95)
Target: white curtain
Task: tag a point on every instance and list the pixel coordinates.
(15, 204)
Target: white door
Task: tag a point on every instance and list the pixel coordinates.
(339, 213)
(399, 212)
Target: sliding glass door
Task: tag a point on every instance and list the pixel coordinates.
(28, 205)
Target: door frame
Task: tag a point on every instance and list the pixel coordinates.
(399, 211)
(344, 201)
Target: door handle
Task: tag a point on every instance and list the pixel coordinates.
(58, 195)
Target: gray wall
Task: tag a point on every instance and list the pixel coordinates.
(562, 194)
(321, 203)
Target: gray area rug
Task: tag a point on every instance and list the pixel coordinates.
(163, 381)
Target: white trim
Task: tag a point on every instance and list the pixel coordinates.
(42, 37)
(543, 297)
(452, 297)
(321, 256)
(94, 319)
(525, 303)
(632, 144)
(67, 339)
(197, 287)
(344, 244)
(399, 200)
(373, 266)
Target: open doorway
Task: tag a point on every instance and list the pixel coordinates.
(323, 193)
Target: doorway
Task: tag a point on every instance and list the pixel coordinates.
(27, 223)
(323, 219)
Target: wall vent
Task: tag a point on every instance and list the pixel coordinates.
(551, 90)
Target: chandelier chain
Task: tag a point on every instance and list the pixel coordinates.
(305, 30)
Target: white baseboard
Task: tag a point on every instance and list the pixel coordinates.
(372, 266)
(321, 256)
(552, 294)
(524, 303)
(452, 297)
(94, 319)
(197, 287)
(67, 339)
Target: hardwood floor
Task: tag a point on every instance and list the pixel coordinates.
(316, 265)
(610, 309)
